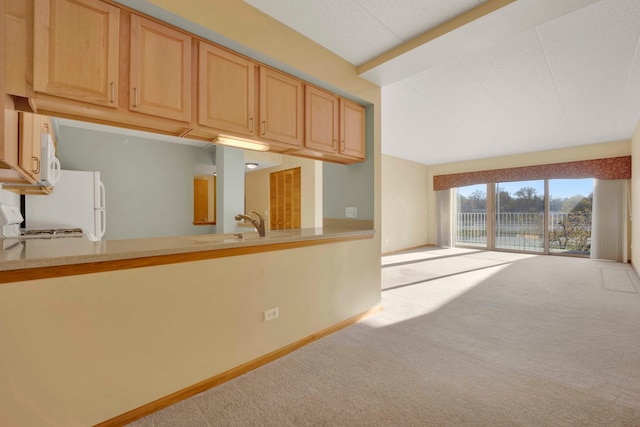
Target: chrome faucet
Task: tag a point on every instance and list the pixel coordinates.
(257, 223)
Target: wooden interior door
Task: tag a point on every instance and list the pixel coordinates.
(285, 199)
(200, 200)
(160, 78)
(204, 200)
(227, 90)
(76, 50)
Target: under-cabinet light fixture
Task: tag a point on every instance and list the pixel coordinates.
(251, 165)
(241, 143)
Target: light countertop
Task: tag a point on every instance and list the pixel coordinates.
(17, 254)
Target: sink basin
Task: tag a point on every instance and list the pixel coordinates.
(232, 238)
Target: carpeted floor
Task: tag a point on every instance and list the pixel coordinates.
(467, 338)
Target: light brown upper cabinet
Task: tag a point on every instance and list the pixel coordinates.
(352, 129)
(20, 159)
(94, 61)
(281, 108)
(160, 74)
(322, 110)
(76, 50)
(226, 95)
(10, 171)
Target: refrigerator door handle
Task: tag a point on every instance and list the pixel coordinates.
(103, 196)
(56, 170)
(101, 223)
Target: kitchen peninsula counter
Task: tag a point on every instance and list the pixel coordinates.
(28, 259)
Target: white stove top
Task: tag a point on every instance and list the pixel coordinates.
(50, 233)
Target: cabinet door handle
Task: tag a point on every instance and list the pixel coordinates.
(251, 122)
(342, 146)
(135, 97)
(335, 145)
(113, 92)
(264, 127)
(37, 169)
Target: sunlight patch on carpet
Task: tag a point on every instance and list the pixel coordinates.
(435, 294)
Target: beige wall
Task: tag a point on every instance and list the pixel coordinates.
(404, 204)
(78, 350)
(82, 349)
(586, 152)
(257, 189)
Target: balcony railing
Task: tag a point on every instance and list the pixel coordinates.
(568, 232)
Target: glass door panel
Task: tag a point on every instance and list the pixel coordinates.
(471, 216)
(570, 204)
(519, 222)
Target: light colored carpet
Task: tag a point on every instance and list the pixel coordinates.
(467, 338)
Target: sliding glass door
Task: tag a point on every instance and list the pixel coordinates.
(519, 223)
(570, 208)
(471, 213)
(539, 216)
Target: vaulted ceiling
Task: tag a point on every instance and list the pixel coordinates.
(472, 79)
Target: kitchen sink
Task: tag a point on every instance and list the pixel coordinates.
(233, 238)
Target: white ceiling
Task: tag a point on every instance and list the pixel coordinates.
(564, 73)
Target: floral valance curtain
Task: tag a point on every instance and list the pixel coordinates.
(610, 168)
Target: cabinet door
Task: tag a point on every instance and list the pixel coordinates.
(281, 108)
(226, 94)
(160, 74)
(29, 145)
(76, 50)
(321, 120)
(352, 131)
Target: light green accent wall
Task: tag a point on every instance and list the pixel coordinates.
(149, 184)
(351, 185)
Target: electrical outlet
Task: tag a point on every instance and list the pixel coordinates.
(271, 314)
(351, 212)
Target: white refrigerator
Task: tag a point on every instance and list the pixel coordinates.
(77, 201)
